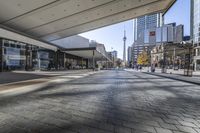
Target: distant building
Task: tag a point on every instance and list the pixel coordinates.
(140, 25)
(168, 33)
(195, 31)
(130, 58)
(186, 38)
(112, 54)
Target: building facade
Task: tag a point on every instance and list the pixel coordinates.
(112, 55)
(140, 25)
(22, 56)
(17, 55)
(130, 58)
(195, 31)
(152, 37)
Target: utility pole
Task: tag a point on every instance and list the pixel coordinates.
(174, 58)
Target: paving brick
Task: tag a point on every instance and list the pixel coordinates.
(107, 102)
(162, 130)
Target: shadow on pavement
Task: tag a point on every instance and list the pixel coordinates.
(106, 104)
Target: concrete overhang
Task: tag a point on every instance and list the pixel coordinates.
(87, 53)
(55, 19)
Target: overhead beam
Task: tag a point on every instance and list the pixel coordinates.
(68, 23)
(106, 21)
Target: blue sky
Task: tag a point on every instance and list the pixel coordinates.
(112, 36)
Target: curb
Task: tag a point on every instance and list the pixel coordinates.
(174, 78)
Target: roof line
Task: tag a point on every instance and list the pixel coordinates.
(170, 5)
(80, 49)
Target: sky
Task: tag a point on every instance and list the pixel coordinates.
(112, 36)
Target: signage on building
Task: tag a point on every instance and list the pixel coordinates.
(152, 33)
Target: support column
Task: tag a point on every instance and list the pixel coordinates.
(57, 60)
(26, 60)
(1, 56)
(164, 59)
(64, 61)
(82, 63)
(87, 63)
(93, 60)
(38, 58)
(106, 64)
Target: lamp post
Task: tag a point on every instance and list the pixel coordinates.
(188, 69)
(164, 58)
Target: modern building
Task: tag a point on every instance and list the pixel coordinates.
(130, 58)
(167, 36)
(140, 25)
(19, 52)
(112, 55)
(195, 31)
(91, 52)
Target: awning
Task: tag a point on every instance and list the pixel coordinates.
(55, 19)
(87, 53)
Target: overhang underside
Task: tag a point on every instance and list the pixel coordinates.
(55, 19)
(88, 54)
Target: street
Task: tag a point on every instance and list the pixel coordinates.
(114, 101)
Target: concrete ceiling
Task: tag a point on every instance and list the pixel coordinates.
(55, 19)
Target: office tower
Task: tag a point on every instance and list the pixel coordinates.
(195, 31)
(140, 25)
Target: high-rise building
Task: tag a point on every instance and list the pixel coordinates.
(114, 54)
(130, 55)
(140, 25)
(195, 31)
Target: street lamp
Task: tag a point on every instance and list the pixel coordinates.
(188, 69)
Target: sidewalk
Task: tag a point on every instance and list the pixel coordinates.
(15, 83)
(17, 76)
(173, 74)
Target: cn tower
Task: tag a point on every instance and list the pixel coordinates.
(124, 53)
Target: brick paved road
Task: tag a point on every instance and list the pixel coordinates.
(108, 102)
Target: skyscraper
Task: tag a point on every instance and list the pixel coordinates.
(140, 25)
(124, 53)
(195, 31)
(129, 55)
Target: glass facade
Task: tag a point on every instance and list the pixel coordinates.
(146, 22)
(195, 31)
(21, 56)
(13, 55)
(141, 24)
(196, 21)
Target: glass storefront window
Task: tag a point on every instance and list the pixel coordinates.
(198, 65)
(13, 56)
